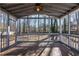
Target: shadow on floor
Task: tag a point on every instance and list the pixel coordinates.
(36, 50)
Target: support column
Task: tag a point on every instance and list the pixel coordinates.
(0, 41)
(16, 31)
(49, 30)
(49, 24)
(60, 30)
(69, 23)
(44, 29)
(1, 37)
(78, 29)
(27, 26)
(23, 26)
(19, 32)
(28, 22)
(38, 27)
(77, 21)
(8, 30)
(69, 28)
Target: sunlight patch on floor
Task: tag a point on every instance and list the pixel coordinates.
(56, 51)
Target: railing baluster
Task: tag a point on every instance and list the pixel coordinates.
(78, 43)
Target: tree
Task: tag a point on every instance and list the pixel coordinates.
(55, 26)
(52, 29)
(44, 28)
(24, 26)
(64, 29)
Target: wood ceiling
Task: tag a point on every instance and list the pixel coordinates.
(51, 9)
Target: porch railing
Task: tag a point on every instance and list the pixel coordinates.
(71, 40)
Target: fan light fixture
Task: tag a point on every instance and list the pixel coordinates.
(38, 7)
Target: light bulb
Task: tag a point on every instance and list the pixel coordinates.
(38, 9)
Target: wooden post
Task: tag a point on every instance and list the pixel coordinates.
(8, 30)
(16, 31)
(60, 28)
(38, 26)
(69, 29)
(0, 41)
(44, 29)
(78, 29)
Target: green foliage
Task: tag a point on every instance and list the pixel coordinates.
(54, 26)
(64, 30)
(24, 26)
(44, 28)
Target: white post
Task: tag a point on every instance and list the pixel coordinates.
(69, 23)
(0, 41)
(69, 27)
(60, 28)
(8, 30)
(49, 29)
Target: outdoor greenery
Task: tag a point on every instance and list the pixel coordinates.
(64, 26)
(24, 26)
(54, 26)
(41, 25)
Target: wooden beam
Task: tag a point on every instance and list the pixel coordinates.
(72, 9)
(55, 9)
(68, 4)
(22, 10)
(21, 15)
(64, 5)
(34, 12)
(8, 5)
(36, 18)
(30, 12)
(6, 11)
(55, 6)
(25, 12)
(17, 7)
(52, 11)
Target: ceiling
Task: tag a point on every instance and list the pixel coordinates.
(51, 9)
